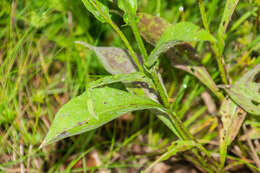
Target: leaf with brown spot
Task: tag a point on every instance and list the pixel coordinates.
(115, 60)
(75, 116)
(152, 27)
(232, 117)
(246, 91)
(202, 74)
(178, 34)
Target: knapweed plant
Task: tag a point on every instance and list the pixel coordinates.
(145, 89)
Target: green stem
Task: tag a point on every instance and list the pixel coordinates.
(139, 39)
(159, 85)
(134, 27)
(216, 48)
(221, 63)
(188, 136)
(121, 34)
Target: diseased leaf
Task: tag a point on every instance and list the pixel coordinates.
(88, 4)
(246, 91)
(118, 61)
(232, 117)
(177, 34)
(202, 74)
(75, 117)
(115, 60)
(138, 90)
(152, 27)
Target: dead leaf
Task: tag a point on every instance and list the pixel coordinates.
(232, 117)
(246, 91)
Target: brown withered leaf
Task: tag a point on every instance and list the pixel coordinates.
(232, 117)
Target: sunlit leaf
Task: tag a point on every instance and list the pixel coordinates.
(246, 91)
(75, 118)
(202, 74)
(92, 8)
(178, 34)
(232, 117)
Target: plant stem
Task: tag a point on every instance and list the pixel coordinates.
(221, 63)
(121, 34)
(188, 136)
(139, 39)
(160, 89)
(216, 48)
(133, 24)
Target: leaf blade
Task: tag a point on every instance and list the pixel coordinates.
(94, 11)
(75, 118)
(246, 92)
(178, 34)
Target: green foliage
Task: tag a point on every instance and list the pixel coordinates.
(41, 69)
(177, 34)
(75, 117)
(129, 7)
(99, 13)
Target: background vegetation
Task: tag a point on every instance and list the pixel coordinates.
(41, 69)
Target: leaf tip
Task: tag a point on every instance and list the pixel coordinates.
(43, 144)
(84, 44)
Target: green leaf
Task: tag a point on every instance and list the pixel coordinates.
(178, 34)
(129, 7)
(232, 117)
(124, 78)
(104, 10)
(226, 18)
(202, 74)
(75, 118)
(118, 61)
(246, 91)
(114, 60)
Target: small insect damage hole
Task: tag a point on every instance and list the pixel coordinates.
(257, 78)
(192, 70)
(255, 103)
